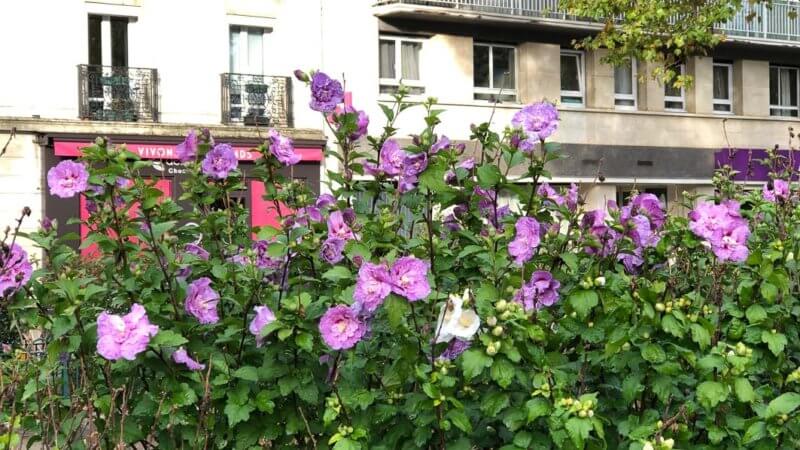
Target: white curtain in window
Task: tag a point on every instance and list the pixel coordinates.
(623, 82)
(409, 58)
(255, 51)
(788, 87)
(387, 59)
(721, 83)
(234, 50)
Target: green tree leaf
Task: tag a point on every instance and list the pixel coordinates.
(756, 314)
(473, 361)
(654, 353)
(744, 391)
(775, 341)
(169, 338)
(711, 393)
(578, 430)
(488, 175)
(460, 420)
(700, 336)
(582, 301)
(502, 372)
(248, 373)
(783, 404)
(237, 413)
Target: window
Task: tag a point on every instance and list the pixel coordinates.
(495, 72)
(723, 87)
(783, 91)
(675, 97)
(625, 85)
(247, 50)
(400, 65)
(572, 81)
(108, 41)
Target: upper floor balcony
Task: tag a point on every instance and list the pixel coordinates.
(122, 94)
(777, 23)
(257, 100)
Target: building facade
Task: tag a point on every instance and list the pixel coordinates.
(144, 72)
(618, 124)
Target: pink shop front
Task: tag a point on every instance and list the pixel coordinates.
(168, 173)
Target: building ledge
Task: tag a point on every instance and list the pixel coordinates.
(100, 128)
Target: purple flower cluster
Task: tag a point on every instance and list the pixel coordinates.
(282, 148)
(201, 301)
(454, 349)
(362, 120)
(15, 269)
(723, 228)
(341, 327)
(263, 260)
(540, 291)
(326, 93)
(780, 191)
(187, 150)
(181, 356)
(264, 316)
(339, 232)
(538, 120)
(570, 199)
(526, 240)
(409, 277)
(196, 250)
(489, 208)
(124, 336)
(67, 178)
(602, 238)
(396, 162)
(372, 286)
(219, 162)
(643, 217)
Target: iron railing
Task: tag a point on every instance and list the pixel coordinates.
(778, 21)
(256, 100)
(123, 94)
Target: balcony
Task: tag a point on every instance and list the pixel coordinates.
(256, 100)
(121, 94)
(778, 23)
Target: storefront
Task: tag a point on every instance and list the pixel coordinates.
(169, 173)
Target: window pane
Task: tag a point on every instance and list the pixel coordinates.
(569, 73)
(623, 80)
(721, 84)
(774, 85)
(503, 75)
(480, 65)
(673, 105)
(95, 41)
(409, 59)
(792, 77)
(386, 50)
(234, 50)
(119, 41)
(723, 108)
(255, 51)
(624, 102)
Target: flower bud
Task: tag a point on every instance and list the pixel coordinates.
(301, 76)
(582, 414)
(497, 331)
(626, 346)
(491, 321)
(669, 443)
(600, 281)
(491, 350)
(501, 305)
(660, 307)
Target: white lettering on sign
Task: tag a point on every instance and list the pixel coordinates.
(154, 151)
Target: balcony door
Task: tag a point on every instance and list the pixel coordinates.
(250, 92)
(109, 85)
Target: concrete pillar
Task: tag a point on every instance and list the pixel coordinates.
(597, 196)
(454, 52)
(539, 72)
(751, 88)
(699, 97)
(651, 91)
(599, 81)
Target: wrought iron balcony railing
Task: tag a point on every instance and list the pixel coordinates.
(778, 22)
(256, 100)
(123, 94)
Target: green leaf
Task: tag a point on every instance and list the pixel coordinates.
(654, 353)
(775, 341)
(756, 313)
(578, 430)
(494, 402)
(783, 404)
(397, 310)
(537, 407)
(523, 439)
(502, 372)
(347, 444)
(711, 393)
(237, 413)
(264, 402)
(755, 432)
(460, 420)
(582, 301)
(162, 227)
(304, 341)
(700, 336)
(337, 273)
(631, 388)
(672, 326)
(769, 291)
(488, 176)
(248, 373)
(744, 390)
(473, 362)
(63, 325)
(169, 338)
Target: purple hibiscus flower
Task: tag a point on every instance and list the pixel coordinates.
(732, 245)
(341, 327)
(540, 291)
(201, 301)
(603, 238)
(526, 240)
(373, 285)
(632, 261)
(409, 277)
(187, 150)
(455, 348)
(780, 191)
(393, 158)
(263, 260)
(220, 161)
(723, 228)
(442, 144)
(547, 192)
(325, 201)
(282, 148)
(539, 121)
(196, 250)
(326, 93)
(487, 205)
(337, 228)
(331, 250)
(67, 178)
(264, 316)
(124, 336)
(15, 269)
(181, 356)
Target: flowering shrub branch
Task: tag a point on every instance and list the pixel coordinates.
(428, 301)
